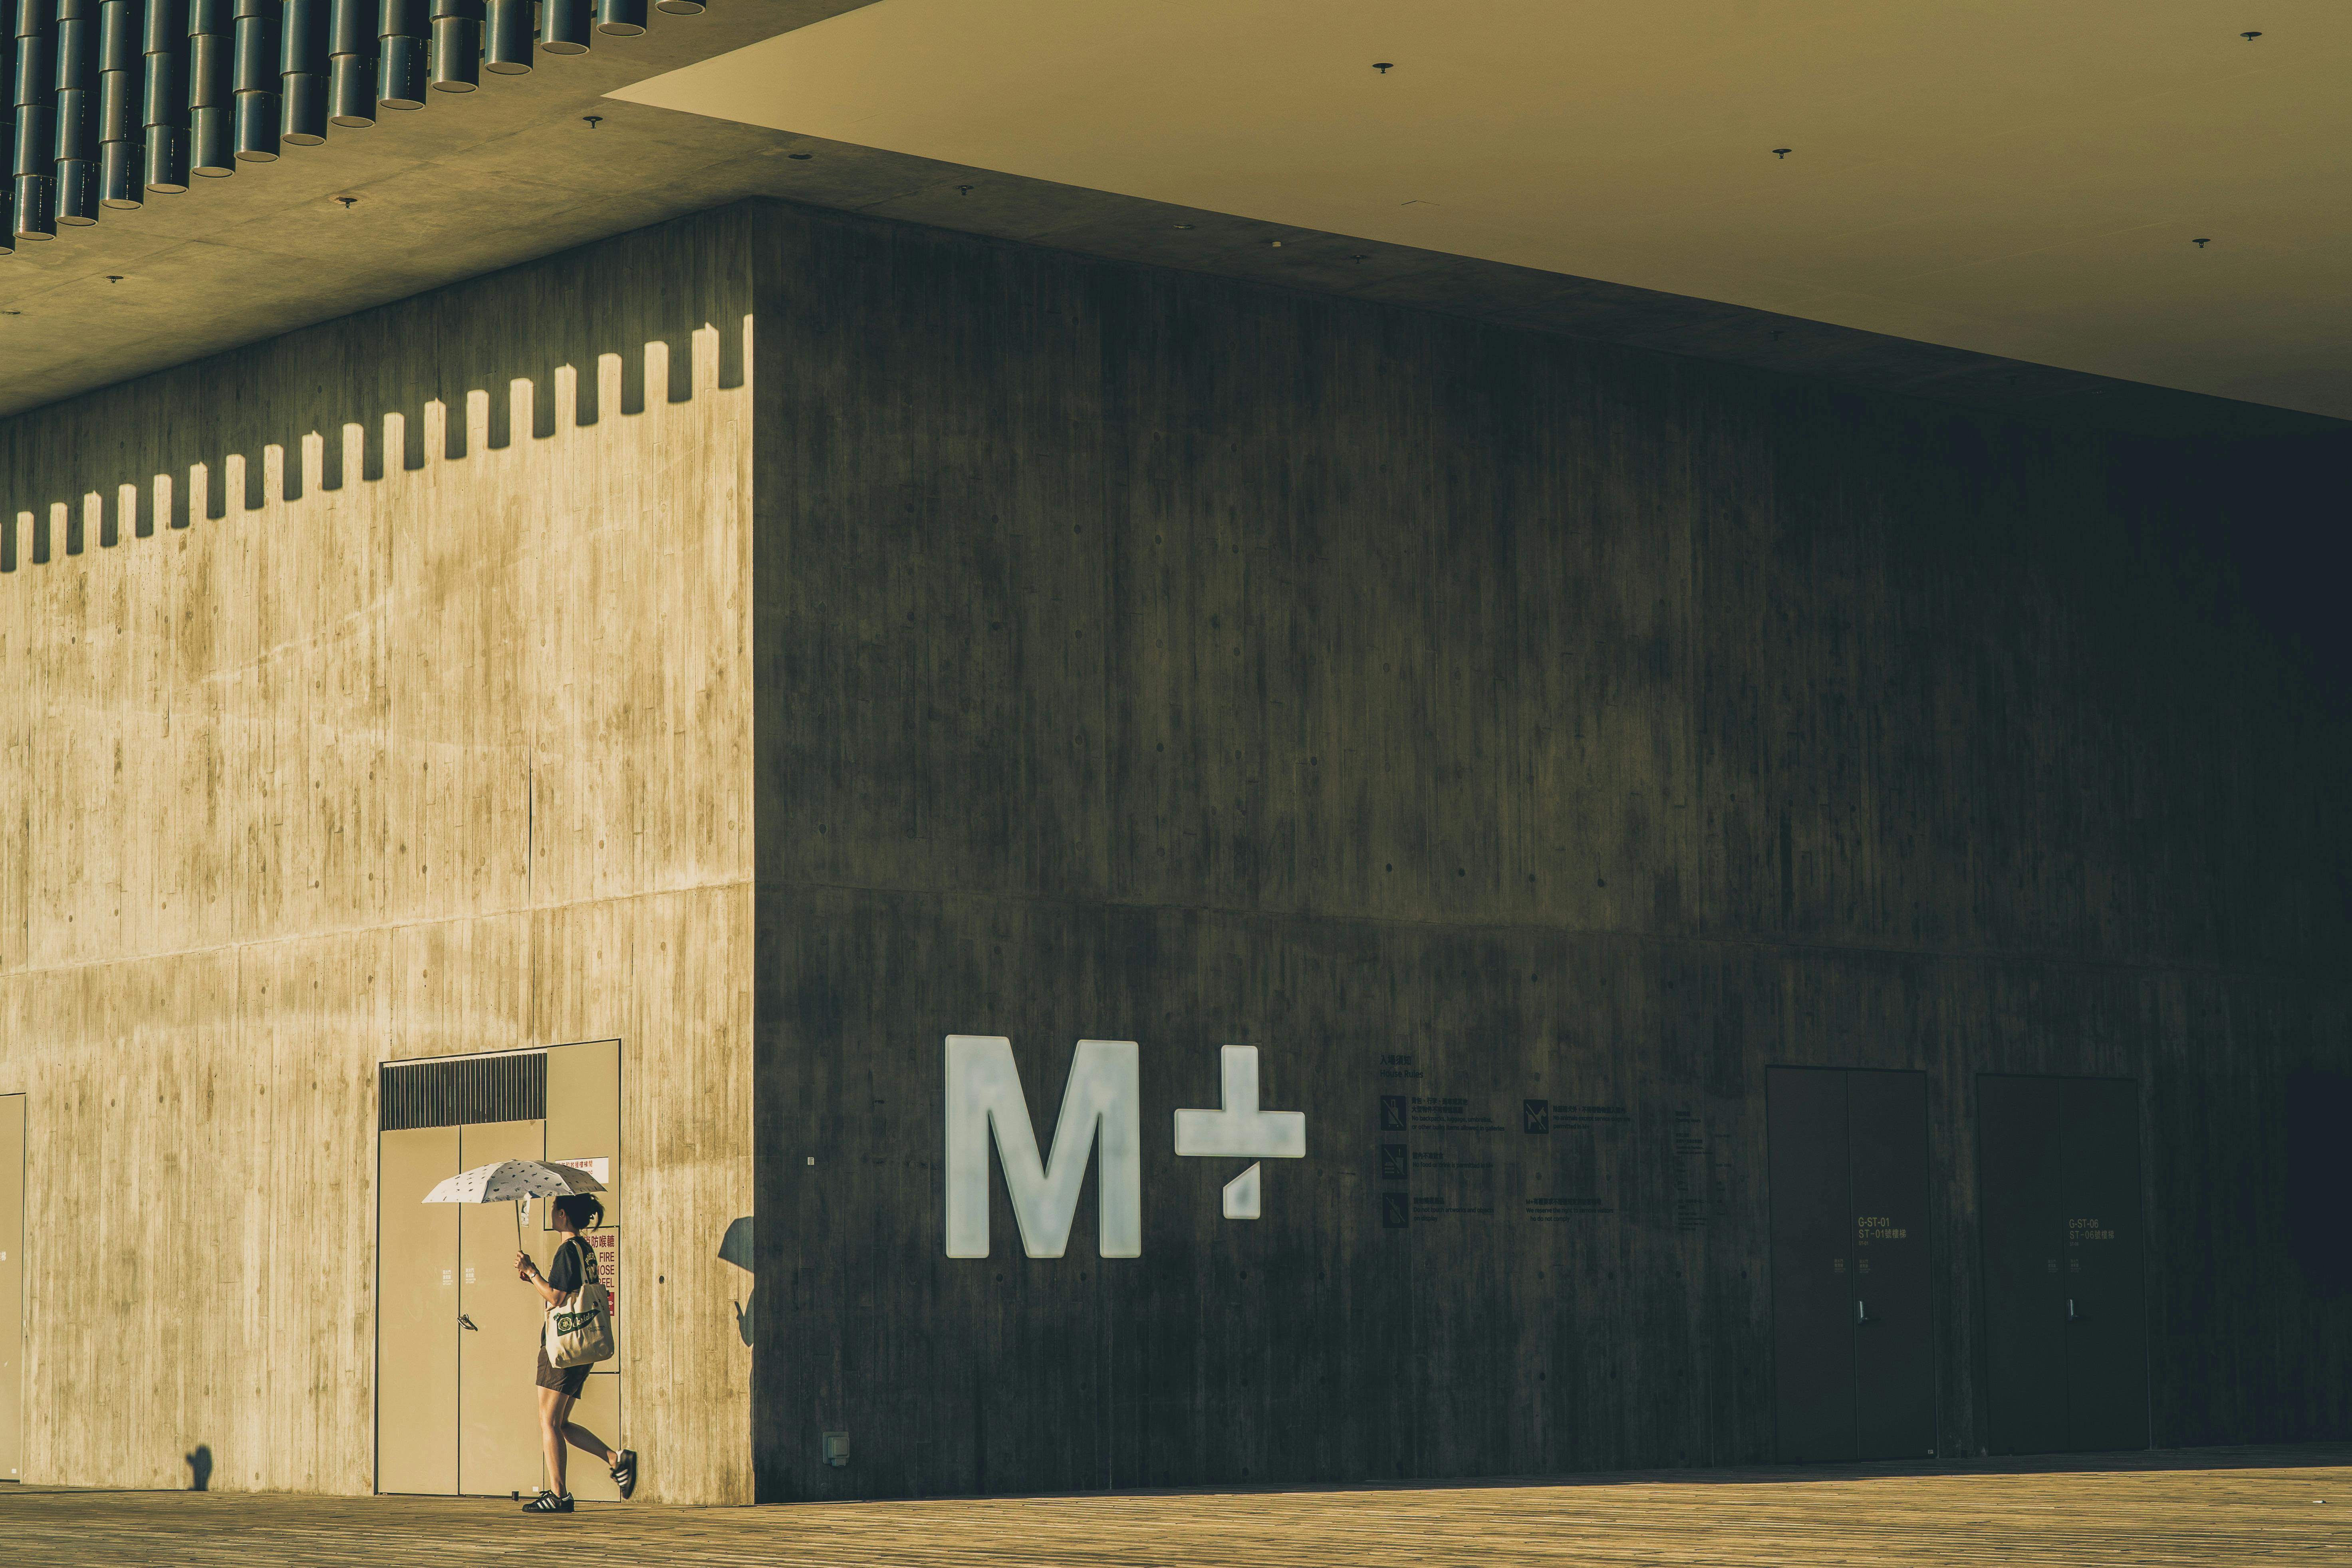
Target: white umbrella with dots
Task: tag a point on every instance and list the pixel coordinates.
(516, 1182)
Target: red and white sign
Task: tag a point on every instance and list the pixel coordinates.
(607, 1244)
(600, 1167)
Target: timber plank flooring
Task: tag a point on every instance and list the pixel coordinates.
(2186, 1509)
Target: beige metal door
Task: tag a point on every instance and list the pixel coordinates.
(497, 1402)
(12, 1287)
(584, 1123)
(417, 1308)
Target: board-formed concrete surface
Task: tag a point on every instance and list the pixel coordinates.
(2220, 1506)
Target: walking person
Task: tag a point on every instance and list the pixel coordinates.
(560, 1386)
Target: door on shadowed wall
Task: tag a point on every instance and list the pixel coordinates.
(1852, 1295)
(2066, 1322)
(456, 1333)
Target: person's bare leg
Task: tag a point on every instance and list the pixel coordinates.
(553, 1407)
(587, 1442)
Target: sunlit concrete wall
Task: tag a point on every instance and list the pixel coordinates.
(408, 711)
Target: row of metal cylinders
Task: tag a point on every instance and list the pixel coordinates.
(117, 99)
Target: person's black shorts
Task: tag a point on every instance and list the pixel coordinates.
(567, 1380)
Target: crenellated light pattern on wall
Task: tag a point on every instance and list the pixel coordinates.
(115, 101)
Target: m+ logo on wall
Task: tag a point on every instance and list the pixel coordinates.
(1101, 1106)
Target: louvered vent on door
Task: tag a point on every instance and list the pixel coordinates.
(509, 1088)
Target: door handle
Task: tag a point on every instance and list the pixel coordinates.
(1862, 1314)
(2073, 1316)
(468, 1324)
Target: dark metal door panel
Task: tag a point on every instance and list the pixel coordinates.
(2106, 1329)
(2023, 1225)
(1812, 1301)
(1894, 1336)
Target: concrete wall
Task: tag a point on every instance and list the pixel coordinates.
(1137, 656)
(418, 721)
(1149, 656)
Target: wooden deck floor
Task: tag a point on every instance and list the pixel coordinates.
(2235, 1508)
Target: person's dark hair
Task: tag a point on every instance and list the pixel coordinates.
(582, 1209)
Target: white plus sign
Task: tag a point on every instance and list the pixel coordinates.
(1241, 1130)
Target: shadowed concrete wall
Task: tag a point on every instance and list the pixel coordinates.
(429, 733)
(1149, 656)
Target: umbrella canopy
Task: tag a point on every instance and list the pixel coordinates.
(505, 1180)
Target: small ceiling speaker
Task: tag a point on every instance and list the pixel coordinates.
(351, 90)
(166, 159)
(77, 191)
(457, 53)
(506, 45)
(212, 142)
(118, 183)
(566, 27)
(621, 18)
(34, 212)
(305, 121)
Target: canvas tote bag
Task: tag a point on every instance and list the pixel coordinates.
(580, 1331)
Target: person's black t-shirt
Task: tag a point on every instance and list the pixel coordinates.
(564, 1274)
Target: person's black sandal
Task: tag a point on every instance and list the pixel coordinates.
(625, 1474)
(548, 1502)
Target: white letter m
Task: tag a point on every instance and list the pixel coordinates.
(1100, 1101)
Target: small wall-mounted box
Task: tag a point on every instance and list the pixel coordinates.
(836, 1448)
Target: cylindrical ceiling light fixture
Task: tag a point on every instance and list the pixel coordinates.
(456, 45)
(77, 35)
(303, 65)
(401, 31)
(351, 62)
(255, 78)
(212, 107)
(120, 39)
(164, 96)
(32, 162)
(566, 27)
(621, 18)
(506, 43)
(679, 7)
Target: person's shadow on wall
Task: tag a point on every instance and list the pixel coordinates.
(200, 1468)
(735, 1247)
